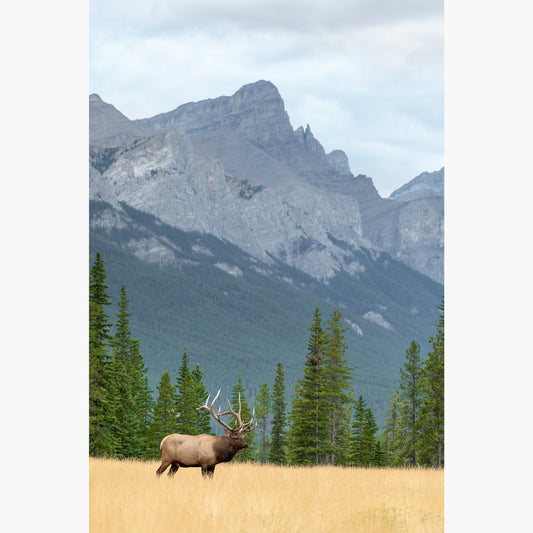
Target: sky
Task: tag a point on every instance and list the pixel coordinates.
(366, 75)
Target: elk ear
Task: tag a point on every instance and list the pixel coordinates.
(228, 432)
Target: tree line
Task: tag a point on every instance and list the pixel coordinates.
(325, 424)
(414, 430)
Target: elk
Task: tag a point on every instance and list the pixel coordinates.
(205, 451)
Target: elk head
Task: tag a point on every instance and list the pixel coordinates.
(237, 432)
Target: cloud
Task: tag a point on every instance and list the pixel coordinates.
(159, 17)
(361, 73)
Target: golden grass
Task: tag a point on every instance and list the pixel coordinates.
(126, 496)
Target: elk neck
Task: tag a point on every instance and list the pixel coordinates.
(225, 448)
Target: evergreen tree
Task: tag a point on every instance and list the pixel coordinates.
(400, 453)
(164, 420)
(100, 416)
(100, 326)
(185, 402)
(337, 377)
(277, 453)
(358, 425)
(369, 442)
(144, 400)
(199, 394)
(431, 419)
(410, 397)
(125, 430)
(309, 435)
(365, 449)
(378, 457)
(262, 404)
(128, 390)
(246, 415)
(391, 451)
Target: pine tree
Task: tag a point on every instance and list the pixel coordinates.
(120, 394)
(199, 394)
(365, 449)
(309, 435)
(369, 441)
(164, 420)
(185, 406)
(125, 430)
(129, 394)
(378, 457)
(338, 376)
(431, 419)
(391, 451)
(410, 397)
(278, 439)
(262, 404)
(358, 425)
(246, 415)
(144, 399)
(401, 440)
(100, 416)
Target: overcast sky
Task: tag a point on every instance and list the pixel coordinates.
(366, 75)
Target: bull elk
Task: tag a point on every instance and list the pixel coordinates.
(205, 451)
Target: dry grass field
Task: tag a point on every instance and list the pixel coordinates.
(126, 496)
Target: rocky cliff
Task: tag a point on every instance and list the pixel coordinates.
(234, 167)
(425, 185)
(294, 223)
(109, 127)
(409, 226)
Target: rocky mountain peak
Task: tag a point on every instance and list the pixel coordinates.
(425, 185)
(260, 89)
(307, 138)
(233, 166)
(339, 161)
(256, 112)
(109, 127)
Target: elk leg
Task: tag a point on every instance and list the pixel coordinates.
(173, 468)
(208, 471)
(162, 468)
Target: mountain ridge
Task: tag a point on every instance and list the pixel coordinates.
(248, 137)
(192, 290)
(425, 185)
(221, 214)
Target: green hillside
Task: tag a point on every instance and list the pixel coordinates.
(247, 323)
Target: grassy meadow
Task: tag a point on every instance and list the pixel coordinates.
(126, 496)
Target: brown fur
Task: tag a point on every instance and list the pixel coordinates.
(204, 451)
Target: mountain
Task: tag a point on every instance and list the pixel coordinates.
(283, 214)
(234, 313)
(242, 155)
(409, 225)
(425, 185)
(293, 222)
(410, 229)
(108, 126)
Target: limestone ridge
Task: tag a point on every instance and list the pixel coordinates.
(234, 167)
(410, 223)
(256, 112)
(160, 175)
(425, 185)
(308, 140)
(109, 127)
(228, 127)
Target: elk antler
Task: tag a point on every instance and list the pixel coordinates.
(210, 409)
(242, 427)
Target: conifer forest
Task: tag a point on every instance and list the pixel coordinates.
(323, 421)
